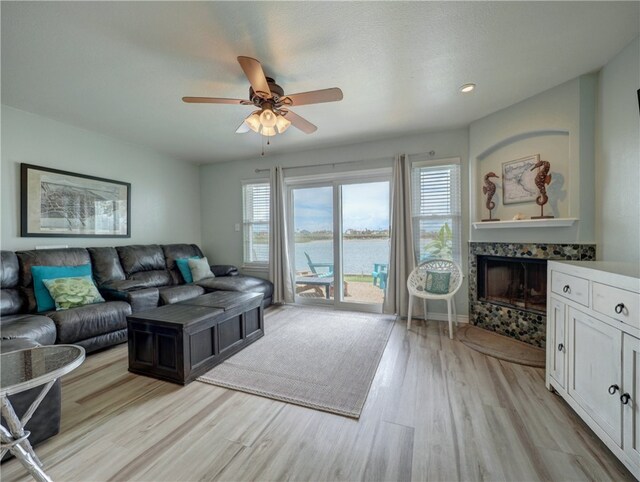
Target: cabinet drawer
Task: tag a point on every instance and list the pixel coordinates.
(570, 287)
(607, 299)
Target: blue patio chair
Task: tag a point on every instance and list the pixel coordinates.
(313, 266)
(379, 274)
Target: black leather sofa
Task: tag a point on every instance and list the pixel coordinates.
(130, 278)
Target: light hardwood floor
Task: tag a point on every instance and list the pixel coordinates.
(437, 410)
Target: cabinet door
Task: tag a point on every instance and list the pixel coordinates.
(631, 385)
(556, 347)
(595, 364)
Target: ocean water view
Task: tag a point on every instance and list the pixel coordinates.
(359, 254)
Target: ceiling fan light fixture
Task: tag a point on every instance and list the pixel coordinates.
(253, 121)
(268, 131)
(282, 124)
(268, 117)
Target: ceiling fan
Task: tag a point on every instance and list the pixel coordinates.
(273, 115)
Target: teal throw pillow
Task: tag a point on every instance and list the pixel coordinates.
(185, 271)
(73, 292)
(44, 301)
(437, 282)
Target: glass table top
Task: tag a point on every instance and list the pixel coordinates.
(24, 369)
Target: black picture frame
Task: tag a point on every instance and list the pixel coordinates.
(65, 194)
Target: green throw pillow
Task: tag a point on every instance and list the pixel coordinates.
(437, 282)
(73, 292)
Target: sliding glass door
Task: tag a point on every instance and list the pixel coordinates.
(339, 238)
(313, 242)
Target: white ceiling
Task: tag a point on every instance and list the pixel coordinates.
(121, 68)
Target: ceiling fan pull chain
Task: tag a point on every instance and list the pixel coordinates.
(262, 142)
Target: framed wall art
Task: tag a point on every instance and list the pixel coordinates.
(58, 203)
(518, 180)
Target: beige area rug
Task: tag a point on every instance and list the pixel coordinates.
(314, 357)
(500, 346)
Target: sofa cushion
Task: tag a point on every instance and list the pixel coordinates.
(8, 269)
(12, 301)
(40, 273)
(90, 320)
(152, 279)
(174, 294)
(238, 283)
(37, 328)
(106, 265)
(49, 257)
(179, 251)
(137, 258)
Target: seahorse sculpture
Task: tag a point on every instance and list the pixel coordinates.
(489, 189)
(543, 179)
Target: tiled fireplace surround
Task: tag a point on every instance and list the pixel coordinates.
(521, 325)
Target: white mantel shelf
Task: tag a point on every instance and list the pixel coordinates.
(527, 223)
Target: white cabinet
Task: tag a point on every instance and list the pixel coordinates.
(556, 329)
(631, 409)
(595, 371)
(593, 349)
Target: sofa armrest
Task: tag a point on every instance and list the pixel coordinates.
(224, 270)
(140, 300)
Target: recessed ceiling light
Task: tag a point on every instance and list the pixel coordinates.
(467, 88)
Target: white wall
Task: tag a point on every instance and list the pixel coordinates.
(221, 194)
(559, 125)
(618, 158)
(165, 202)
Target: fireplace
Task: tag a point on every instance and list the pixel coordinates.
(519, 283)
(507, 285)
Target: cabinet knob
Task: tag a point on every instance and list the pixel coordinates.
(619, 308)
(561, 347)
(613, 389)
(566, 289)
(624, 398)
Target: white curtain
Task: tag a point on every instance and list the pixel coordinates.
(401, 257)
(279, 265)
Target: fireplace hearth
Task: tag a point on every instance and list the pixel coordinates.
(507, 285)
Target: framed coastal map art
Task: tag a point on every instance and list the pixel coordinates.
(58, 203)
(518, 180)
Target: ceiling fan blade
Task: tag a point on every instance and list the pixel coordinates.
(243, 128)
(299, 122)
(215, 100)
(333, 94)
(253, 70)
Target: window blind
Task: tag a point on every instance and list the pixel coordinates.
(436, 209)
(256, 222)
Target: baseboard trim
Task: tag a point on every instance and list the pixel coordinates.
(440, 317)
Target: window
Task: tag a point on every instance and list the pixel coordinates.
(436, 213)
(255, 208)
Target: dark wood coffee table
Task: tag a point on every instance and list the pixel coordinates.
(180, 342)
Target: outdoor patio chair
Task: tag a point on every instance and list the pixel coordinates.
(436, 279)
(313, 266)
(379, 274)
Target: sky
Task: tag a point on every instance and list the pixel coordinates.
(365, 206)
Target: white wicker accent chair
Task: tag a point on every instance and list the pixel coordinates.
(418, 279)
